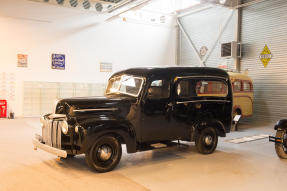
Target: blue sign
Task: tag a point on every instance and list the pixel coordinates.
(58, 61)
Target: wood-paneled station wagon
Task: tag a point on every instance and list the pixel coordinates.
(141, 107)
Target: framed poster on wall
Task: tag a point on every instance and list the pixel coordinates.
(58, 61)
(22, 60)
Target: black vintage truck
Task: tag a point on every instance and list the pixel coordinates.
(141, 107)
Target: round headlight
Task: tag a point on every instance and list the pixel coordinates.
(65, 127)
(42, 122)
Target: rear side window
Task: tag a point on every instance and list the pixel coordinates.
(211, 88)
(247, 86)
(185, 89)
(190, 88)
(237, 86)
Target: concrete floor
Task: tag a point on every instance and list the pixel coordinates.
(246, 166)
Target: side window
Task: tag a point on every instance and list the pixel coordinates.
(185, 89)
(247, 87)
(211, 88)
(156, 83)
(159, 89)
(237, 86)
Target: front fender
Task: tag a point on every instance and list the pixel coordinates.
(281, 125)
(120, 129)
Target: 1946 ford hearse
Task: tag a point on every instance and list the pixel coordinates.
(141, 107)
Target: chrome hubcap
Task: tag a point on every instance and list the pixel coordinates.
(105, 152)
(208, 140)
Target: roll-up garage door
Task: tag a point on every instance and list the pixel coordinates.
(265, 24)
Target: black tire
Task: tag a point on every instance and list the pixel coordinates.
(105, 154)
(206, 140)
(281, 148)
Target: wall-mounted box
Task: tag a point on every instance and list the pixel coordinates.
(231, 50)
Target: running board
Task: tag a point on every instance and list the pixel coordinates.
(157, 146)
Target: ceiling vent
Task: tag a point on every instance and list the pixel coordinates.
(74, 3)
(60, 2)
(100, 6)
(86, 4)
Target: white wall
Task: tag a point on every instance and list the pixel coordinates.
(85, 45)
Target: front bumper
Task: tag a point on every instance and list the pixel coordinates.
(38, 143)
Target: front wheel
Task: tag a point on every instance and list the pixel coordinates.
(281, 148)
(105, 154)
(206, 141)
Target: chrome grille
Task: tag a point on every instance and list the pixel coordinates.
(51, 133)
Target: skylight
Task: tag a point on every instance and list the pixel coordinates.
(169, 6)
(158, 11)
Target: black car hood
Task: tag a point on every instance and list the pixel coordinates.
(94, 104)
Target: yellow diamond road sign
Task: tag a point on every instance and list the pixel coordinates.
(265, 56)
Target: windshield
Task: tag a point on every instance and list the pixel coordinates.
(129, 85)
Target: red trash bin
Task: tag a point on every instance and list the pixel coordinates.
(3, 108)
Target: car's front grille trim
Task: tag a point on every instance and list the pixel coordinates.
(51, 133)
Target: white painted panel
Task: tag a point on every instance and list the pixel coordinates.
(204, 28)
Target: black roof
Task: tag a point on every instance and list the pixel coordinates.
(173, 71)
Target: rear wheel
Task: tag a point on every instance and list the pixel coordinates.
(281, 148)
(105, 154)
(206, 141)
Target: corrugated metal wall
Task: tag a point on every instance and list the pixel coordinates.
(204, 27)
(263, 24)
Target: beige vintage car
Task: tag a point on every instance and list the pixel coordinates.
(242, 86)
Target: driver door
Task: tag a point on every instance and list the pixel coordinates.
(156, 112)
